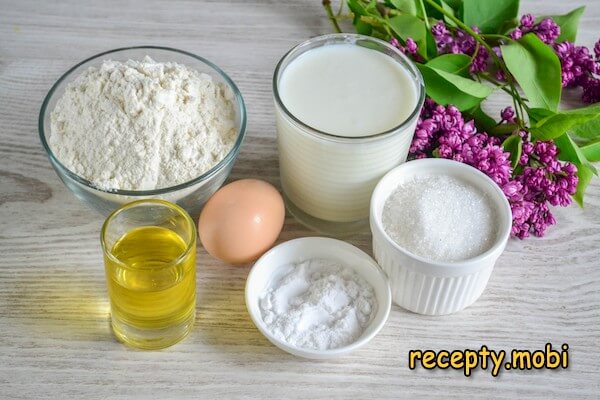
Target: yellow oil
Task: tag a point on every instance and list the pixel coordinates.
(153, 295)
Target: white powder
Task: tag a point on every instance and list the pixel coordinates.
(318, 304)
(142, 125)
(440, 218)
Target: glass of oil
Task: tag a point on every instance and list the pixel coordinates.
(150, 260)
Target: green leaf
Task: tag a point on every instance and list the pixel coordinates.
(537, 114)
(431, 45)
(489, 15)
(450, 11)
(584, 173)
(405, 6)
(589, 130)
(453, 63)
(503, 129)
(570, 151)
(483, 121)
(556, 124)
(362, 27)
(466, 85)
(454, 4)
(591, 151)
(408, 26)
(508, 26)
(357, 8)
(514, 145)
(569, 23)
(536, 68)
(448, 88)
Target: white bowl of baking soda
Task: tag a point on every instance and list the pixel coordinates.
(317, 297)
(438, 228)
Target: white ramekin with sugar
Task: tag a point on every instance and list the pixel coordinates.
(433, 287)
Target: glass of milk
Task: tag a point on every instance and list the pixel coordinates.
(346, 109)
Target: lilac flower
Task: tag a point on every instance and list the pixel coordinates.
(508, 114)
(576, 62)
(547, 30)
(521, 212)
(591, 91)
(541, 218)
(527, 150)
(516, 34)
(480, 61)
(411, 48)
(458, 41)
(527, 21)
(513, 190)
(545, 150)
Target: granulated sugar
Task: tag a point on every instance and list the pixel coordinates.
(318, 304)
(440, 218)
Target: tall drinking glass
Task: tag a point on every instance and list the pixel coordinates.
(328, 179)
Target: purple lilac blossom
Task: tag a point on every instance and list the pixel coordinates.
(547, 30)
(458, 41)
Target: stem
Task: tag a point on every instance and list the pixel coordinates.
(339, 12)
(493, 36)
(518, 101)
(496, 82)
(425, 19)
(329, 11)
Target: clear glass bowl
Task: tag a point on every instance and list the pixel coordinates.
(190, 195)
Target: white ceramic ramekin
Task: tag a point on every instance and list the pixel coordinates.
(431, 287)
(297, 250)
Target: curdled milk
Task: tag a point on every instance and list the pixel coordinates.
(347, 90)
(350, 91)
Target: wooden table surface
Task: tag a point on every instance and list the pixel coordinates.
(55, 340)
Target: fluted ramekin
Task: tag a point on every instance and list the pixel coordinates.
(433, 287)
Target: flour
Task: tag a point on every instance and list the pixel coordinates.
(318, 304)
(142, 125)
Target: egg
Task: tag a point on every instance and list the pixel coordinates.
(241, 221)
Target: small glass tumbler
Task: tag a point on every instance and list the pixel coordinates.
(150, 261)
(327, 179)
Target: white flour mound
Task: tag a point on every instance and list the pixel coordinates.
(142, 125)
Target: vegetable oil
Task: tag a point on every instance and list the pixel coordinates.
(151, 275)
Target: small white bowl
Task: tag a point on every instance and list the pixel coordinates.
(433, 287)
(298, 250)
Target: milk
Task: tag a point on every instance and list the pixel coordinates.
(345, 116)
(347, 90)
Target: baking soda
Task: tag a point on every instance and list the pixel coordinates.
(440, 218)
(318, 304)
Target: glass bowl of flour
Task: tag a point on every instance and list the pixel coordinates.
(143, 122)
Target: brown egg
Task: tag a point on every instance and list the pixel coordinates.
(241, 221)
